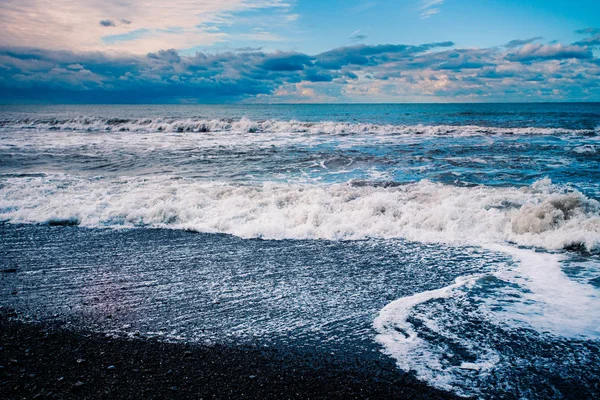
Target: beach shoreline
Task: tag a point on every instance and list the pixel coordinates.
(43, 360)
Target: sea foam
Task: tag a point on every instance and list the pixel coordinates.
(531, 295)
(245, 125)
(542, 215)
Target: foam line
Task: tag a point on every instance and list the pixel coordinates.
(542, 215)
(244, 125)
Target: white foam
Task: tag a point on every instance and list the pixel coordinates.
(585, 149)
(546, 300)
(549, 301)
(412, 353)
(245, 125)
(542, 215)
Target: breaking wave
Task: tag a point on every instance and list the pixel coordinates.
(244, 125)
(542, 215)
(431, 333)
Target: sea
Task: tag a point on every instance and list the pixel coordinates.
(461, 241)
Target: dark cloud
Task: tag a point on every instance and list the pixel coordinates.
(589, 41)
(588, 31)
(170, 56)
(362, 54)
(461, 59)
(111, 23)
(385, 75)
(456, 60)
(286, 62)
(316, 76)
(107, 22)
(391, 69)
(519, 42)
(593, 40)
(495, 73)
(557, 51)
(358, 38)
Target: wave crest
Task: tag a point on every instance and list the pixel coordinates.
(542, 215)
(244, 125)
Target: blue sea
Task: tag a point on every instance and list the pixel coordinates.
(461, 241)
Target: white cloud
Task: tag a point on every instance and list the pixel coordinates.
(429, 8)
(361, 7)
(292, 17)
(70, 25)
(260, 35)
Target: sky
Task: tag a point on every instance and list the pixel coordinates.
(299, 51)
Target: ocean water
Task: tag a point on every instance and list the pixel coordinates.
(462, 241)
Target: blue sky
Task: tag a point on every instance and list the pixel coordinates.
(299, 51)
(323, 25)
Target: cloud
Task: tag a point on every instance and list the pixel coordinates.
(385, 72)
(107, 22)
(589, 41)
(462, 63)
(356, 36)
(248, 49)
(361, 55)
(593, 40)
(170, 56)
(286, 62)
(519, 42)
(362, 7)
(315, 75)
(110, 23)
(588, 31)
(556, 51)
(64, 24)
(429, 8)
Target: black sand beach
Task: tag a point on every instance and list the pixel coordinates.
(43, 361)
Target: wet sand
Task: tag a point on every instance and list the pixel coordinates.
(43, 361)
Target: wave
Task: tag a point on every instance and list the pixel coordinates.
(430, 333)
(533, 292)
(542, 215)
(244, 125)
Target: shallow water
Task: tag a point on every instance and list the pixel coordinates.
(461, 240)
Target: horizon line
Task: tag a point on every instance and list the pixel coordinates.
(300, 104)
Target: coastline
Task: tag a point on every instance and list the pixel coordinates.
(51, 361)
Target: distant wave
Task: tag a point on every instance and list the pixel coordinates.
(244, 125)
(542, 215)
